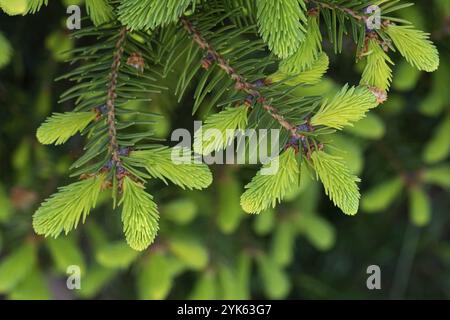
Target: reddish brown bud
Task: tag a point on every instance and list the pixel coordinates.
(136, 61)
(380, 94)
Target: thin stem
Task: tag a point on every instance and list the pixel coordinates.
(111, 97)
(241, 83)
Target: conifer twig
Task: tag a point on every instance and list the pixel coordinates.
(111, 97)
(241, 83)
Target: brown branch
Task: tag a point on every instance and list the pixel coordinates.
(111, 98)
(241, 83)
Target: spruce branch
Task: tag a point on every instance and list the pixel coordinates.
(172, 164)
(415, 45)
(348, 106)
(267, 190)
(100, 11)
(282, 25)
(104, 84)
(377, 72)
(225, 124)
(64, 210)
(307, 52)
(139, 215)
(213, 56)
(308, 64)
(340, 185)
(60, 127)
(310, 76)
(150, 14)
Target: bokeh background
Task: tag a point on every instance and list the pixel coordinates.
(207, 247)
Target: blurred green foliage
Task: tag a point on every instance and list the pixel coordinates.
(208, 247)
